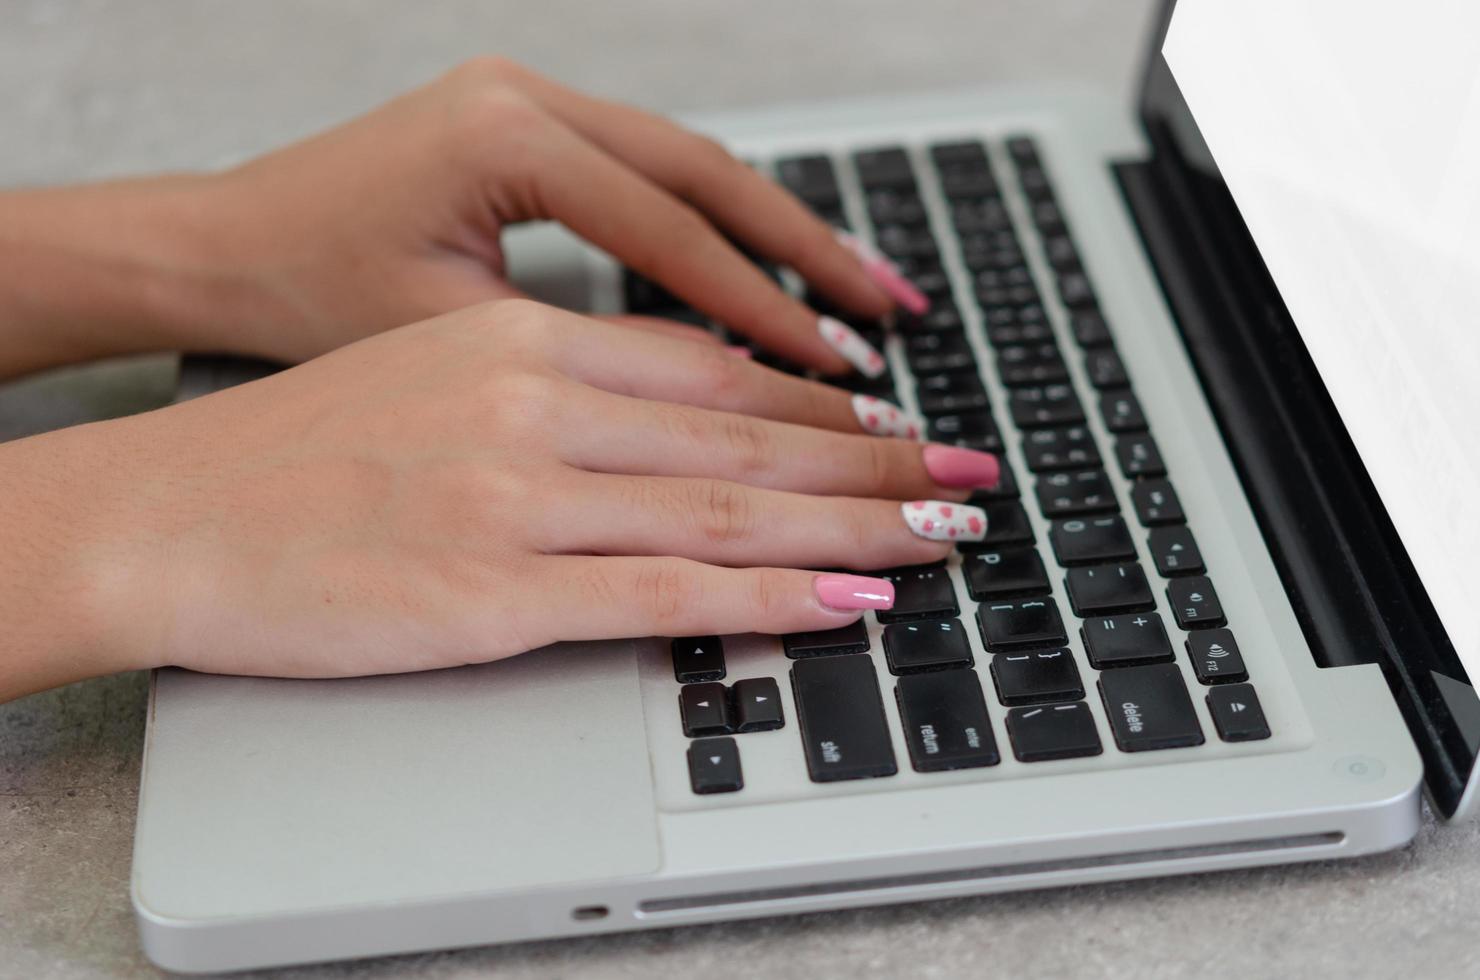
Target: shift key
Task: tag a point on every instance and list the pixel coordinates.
(841, 717)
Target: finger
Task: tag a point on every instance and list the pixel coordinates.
(633, 597)
(727, 523)
(652, 366)
(663, 328)
(745, 204)
(619, 434)
(664, 239)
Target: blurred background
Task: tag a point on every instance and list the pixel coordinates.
(101, 88)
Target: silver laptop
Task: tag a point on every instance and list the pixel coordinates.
(1194, 639)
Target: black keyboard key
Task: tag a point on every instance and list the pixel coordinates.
(1121, 411)
(977, 426)
(964, 153)
(959, 183)
(920, 592)
(1237, 714)
(1005, 574)
(757, 705)
(1054, 731)
(1036, 677)
(1007, 329)
(642, 295)
(1215, 657)
(1047, 217)
(1023, 150)
(1126, 640)
(1006, 488)
(948, 383)
(980, 217)
(886, 166)
(1089, 541)
(1007, 523)
(890, 206)
(1074, 493)
(705, 709)
(1030, 364)
(1149, 708)
(698, 658)
(1068, 448)
(1060, 252)
(1089, 328)
(811, 178)
(714, 766)
(1175, 551)
(1033, 408)
(841, 716)
(1105, 368)
(952, 403)
(936, 645)
(1008, 627)
(852, 638)
(1156, 503)
(1098, 590)
(907, 242)
(1075, 291)
(929, 353)
(1139, 456)
(940, 317)
(1194, 602)
(945, 721)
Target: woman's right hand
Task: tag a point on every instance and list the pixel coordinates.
(446, 493)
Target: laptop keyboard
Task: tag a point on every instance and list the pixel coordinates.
(1032, 692)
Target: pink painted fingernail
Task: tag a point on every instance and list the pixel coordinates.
(854, 349)
(952, 466)
(853, 591)
(941, 520)
(881, 418)
(737, 351)
(886, 274)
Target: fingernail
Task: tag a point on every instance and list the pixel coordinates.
(886, 274)
(737, 351)
(881, 418)
(938, 520)
(854, 349)
(952, 466)
(853, 591)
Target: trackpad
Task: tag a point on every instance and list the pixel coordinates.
(265, 796)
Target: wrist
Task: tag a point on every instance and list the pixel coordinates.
(117, 268)
(75, 562)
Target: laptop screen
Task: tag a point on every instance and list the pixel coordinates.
(1348, 138)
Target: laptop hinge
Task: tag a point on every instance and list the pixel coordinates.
(1352, 585)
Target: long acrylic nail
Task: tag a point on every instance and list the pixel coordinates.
(853, 591)
(952, 466)
(939, 520)
(735, 350)
(853, 348)
(886, 274)
(881, 418)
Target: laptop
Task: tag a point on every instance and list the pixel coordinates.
(1207, 629)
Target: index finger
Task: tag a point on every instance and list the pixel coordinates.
(751, 208)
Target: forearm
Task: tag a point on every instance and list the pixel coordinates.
(113, 268)
(68, 517)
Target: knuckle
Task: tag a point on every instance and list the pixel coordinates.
(524, 402)
(878, 461)
(752, 449)
(664, 592)
(723, 512)
(767, 594)
(481, 69)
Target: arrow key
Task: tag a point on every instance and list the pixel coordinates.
(1237, 714)
(757, 705)
(705, 709)
(714, 766)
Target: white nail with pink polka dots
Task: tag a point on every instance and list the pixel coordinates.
(881, 418)
(939, 520)
(855, 350)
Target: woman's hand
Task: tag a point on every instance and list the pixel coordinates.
(484, 483)
(397, 216)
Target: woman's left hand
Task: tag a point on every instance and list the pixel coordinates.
(397, 216)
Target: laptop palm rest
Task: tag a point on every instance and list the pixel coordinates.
(320, 794)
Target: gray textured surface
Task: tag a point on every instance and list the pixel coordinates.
(93, 88)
